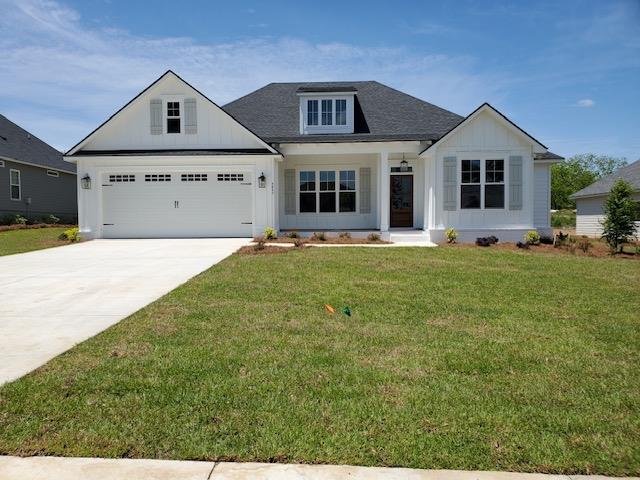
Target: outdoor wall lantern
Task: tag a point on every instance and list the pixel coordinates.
(404, 166)
(262, 180)
(85, 182)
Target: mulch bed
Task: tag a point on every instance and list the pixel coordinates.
(330, 240)
(267, 250)
(598, 249)
(6, 228)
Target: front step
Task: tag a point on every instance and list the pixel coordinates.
(413, 237)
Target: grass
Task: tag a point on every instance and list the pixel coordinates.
(453, 358)
(563, 219)
(27, 240)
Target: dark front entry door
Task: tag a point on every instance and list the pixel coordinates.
(401, 201)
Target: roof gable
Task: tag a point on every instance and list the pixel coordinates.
(630, 174)
(19, 145)
(381, 113)
(487, 110)
(128, 128)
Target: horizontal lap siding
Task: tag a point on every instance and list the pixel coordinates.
(590, 215)
(49, 195)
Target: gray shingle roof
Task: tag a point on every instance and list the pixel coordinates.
(630, 173)
(547, 156)
(18, 144)
(381, 113)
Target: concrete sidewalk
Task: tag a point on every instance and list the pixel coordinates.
(59, 468)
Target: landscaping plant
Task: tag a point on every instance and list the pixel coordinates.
(532, 237)
(270, 233)
(72, 235)
(451, 234)
(618, 226)
(373, 237)
(344, 235)
(319, 236)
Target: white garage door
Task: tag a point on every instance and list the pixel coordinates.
(177, 204)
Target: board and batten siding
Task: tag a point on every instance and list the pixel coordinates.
(541, 196)
(590, 215)
(211, 128)
(483, 138)
(288, 212)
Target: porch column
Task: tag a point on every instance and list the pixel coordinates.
(383, 190)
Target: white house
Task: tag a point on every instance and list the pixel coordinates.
(590, 200)
(338, 156)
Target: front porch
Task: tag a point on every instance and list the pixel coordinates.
(386, 192)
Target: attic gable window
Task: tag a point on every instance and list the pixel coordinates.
(173, 117)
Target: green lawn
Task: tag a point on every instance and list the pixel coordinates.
(20, 241)
(458, 358)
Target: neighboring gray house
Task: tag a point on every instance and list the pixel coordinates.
(34, 179)
(590, 200)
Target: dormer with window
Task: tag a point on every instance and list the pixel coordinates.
(326, 110)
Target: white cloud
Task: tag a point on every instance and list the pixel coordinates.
(585, 103)
(65, 78)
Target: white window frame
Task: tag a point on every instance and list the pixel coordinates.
(483, 157)
(317, 112)
(1, 163)
(166, 117)
(53, 173)
(336, 191)
(307, 129)
(11, 185)
(484, 185)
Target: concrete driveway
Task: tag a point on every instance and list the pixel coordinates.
(52, 299)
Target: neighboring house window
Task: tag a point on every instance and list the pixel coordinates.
(1, 163)
(312, 112)
(347, 190)
(470, 188)
(341, 112)
(14, 184)
(327, 112)
(328, 191)
(53, 173)
(494, 184)
(307, 192)
(173, 117)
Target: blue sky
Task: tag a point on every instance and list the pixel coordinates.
(568, 72)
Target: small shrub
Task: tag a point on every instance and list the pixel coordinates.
(532, 237)
(294, 234)
(19, 220)
(637, 249)
(373, 237)
(560, 239)
(618, 226)
(546, 240)
(270, 233)
(493, 239)
(522, 245)
(298, 243)
(72, 235)
(344, 235)
(319, 236)
(451, 234)
(51, 220)
(259, 245)
(584, 244)
(483, 242)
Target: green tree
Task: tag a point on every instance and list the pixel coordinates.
(577, 173)
(618, 226)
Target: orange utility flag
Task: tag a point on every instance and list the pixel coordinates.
(330, 309)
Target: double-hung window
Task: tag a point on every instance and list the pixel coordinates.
(347, 190)
(327, 112)
(15, 186)
(470, 188)
(312, 112)
(173, 117)
(308, 192)
(494, 184)
(327, 195)
(327, 191)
